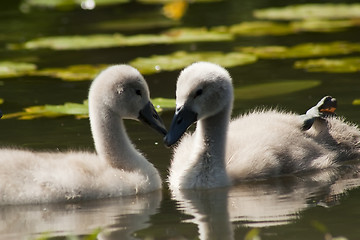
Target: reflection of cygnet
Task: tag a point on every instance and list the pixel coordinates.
(278, 201)
(259, 144)
(117, 169)
(116, 218)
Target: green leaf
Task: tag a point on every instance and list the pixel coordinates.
(273, 89)
(79, 110)
(310, 11)
(174, 36)
(138, 23)
(341, 65)
(15, 69)
(253, 234)
(72, 73)
(180, 59)
(316, 25)
(356, 102)
(261, 28)
(162, 104)
(303, 50)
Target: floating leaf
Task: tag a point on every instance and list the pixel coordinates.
(180, 59)
(72, 73)
(180, 35)
(310, 11)
(162, 104)
(138, 23)
(330, 65)
(79, 110)
(273, 89)
(356, 102)
(15, 69)
(261, 28)
(303, 50)
(323, 25)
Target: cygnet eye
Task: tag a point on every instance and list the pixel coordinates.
(138, 92)
(198, 93)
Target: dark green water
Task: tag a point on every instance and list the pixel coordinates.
(294, 207)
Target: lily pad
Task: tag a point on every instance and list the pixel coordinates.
(323, 25)
(139, 23)
(303, 50)
(15, 69)
(72, 73)
(173, 36)
(180, 59)
(310, 11)
(273, 89)
(261, 28)
(356, 102)
(343, 65)
(79, 110)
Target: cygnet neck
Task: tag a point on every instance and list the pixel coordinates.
(111, 141)
(210, 148)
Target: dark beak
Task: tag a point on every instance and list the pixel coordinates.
(183, 118)
(149, 116)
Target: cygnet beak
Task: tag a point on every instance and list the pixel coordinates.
(183, 118)
(149, 116)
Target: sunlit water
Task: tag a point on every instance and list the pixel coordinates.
(303, 206)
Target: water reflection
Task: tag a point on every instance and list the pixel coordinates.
(117, 218)
(278, 201)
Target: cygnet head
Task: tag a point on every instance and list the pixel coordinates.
(122, 91)
(203, 89)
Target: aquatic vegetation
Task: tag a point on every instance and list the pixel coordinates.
(72, 73)
(303, 50)
(1, 101)
(356, 102)
(173, 36)
(138, 23)
(322, 25)
(262, 28)
(310, 11)
(15, 69)
(340, 65)
(180, 59)
(273, 89)
(253, 234)
(79, 110)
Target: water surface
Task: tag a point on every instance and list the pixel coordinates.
(302, 206)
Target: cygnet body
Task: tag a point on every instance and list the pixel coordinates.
(259, 144)
(116, 169)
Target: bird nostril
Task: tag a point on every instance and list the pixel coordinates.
(178, 109)
(155, 116)
(179, 120)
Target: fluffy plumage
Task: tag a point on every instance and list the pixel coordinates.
(117, 169)
(258, 144)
